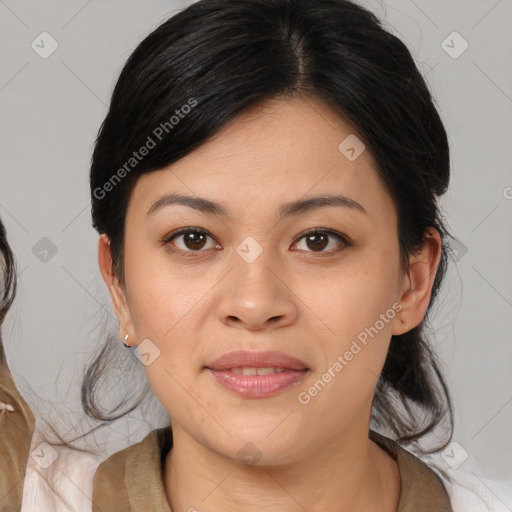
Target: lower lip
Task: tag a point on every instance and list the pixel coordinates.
(257, 386)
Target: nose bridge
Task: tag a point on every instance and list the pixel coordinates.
(252, 270)
(252, 267)
(256, 295)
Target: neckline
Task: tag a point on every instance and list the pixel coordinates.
(420, 485)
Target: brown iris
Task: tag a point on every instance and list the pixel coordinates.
(194, 241)
(317, 241)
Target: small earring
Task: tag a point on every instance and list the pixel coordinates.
(126, 339)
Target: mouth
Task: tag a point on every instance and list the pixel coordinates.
(257, 374)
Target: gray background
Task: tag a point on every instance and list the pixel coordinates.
(51, 110)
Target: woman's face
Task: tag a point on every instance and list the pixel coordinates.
(250, 279)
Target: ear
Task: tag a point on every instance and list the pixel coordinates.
(115, 288)
(417, 284)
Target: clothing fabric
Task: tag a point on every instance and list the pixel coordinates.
(15, 431)
(58, 478)
(34, 475)
(132, 479)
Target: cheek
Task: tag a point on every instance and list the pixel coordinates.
(168, 309)
(356, 299)
(159, 297)
(166, 313)
(359, 313)
(358, 310)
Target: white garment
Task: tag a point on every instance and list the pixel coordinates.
(469, 491)
(70, 472)
(473, 493)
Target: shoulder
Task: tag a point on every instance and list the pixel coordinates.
(118, 478)
(422, 488)
(151, 446)
(110, 485)
(58, 477)
(466, 488)
(470, 490)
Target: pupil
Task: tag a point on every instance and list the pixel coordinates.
(321, 245)
(194, 240)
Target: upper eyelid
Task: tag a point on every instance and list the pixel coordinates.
(342, 238)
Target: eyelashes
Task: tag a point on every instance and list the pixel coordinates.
(192, 235)
(193, 240)
(324, 233)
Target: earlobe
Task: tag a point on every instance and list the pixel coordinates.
(115, 289)
(417, 284)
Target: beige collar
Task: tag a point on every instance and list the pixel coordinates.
(132, 479)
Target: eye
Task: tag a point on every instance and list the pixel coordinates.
(318, 239)
(190, 240)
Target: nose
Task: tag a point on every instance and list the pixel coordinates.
(255, 296)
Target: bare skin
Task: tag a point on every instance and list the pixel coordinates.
(307, 299)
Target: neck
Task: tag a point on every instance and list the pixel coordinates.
(351, 473)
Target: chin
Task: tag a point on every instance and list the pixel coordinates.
(260, 444)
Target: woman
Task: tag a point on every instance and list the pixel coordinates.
(16, 418)
(265, 188)
(38, 469)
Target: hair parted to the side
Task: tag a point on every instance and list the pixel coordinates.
(230, 55)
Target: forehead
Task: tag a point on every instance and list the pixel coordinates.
(276, 152)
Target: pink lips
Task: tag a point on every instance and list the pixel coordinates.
(257, 386)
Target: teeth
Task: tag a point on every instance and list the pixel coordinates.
(256, 371)
(266, 371)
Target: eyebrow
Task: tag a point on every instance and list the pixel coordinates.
(293, 208)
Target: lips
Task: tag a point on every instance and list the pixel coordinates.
(257, 374)
(246, 359)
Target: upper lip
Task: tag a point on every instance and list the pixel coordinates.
(246, 359)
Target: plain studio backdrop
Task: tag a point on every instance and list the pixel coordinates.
(59, 62)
